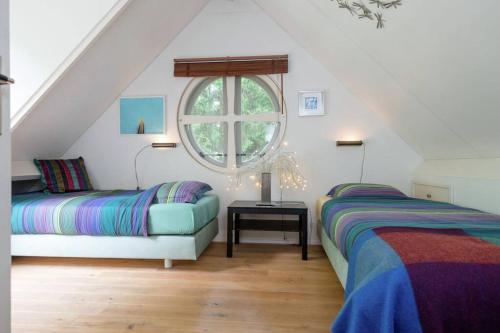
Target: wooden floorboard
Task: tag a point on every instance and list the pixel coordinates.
(263, 288)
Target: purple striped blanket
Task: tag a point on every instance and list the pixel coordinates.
(101, 213)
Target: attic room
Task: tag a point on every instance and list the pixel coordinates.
(249, 166)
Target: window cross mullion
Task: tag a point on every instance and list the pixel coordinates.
(230, 140)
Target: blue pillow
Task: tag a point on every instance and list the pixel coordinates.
(182, 192)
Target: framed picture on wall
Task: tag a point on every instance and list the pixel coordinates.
(142, 115)
(311, 103)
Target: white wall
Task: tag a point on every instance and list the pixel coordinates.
(239, 27)
(4, 174)
(43, 34)
(474, 183)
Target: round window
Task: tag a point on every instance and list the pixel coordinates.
(229, 122)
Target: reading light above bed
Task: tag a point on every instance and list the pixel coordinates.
(164, 145)
(154, 145)
(349, 142)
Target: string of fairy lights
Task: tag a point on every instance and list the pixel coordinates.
(279, 162)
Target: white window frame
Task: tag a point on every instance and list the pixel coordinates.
(230, 118)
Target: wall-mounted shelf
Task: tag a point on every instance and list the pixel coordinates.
(24, 170)
(25, 177)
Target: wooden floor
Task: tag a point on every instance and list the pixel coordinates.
(263, 288)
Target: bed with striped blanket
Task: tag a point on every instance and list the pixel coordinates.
(162, 222)
(415, 265)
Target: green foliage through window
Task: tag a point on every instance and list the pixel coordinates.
(255, 137)
(254, 98)
(210, 100)
(210, 140)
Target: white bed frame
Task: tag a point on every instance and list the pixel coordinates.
(166, 247)
(339, 263)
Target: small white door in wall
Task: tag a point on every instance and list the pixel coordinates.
(431, 192)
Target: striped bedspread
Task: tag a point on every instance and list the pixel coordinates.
(110, 213)
(416, 265)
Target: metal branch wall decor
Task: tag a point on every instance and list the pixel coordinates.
(372, 11)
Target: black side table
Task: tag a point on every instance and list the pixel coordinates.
(236, 223)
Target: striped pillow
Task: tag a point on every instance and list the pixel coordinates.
(365, 190)
(60, 176)
(182, 192)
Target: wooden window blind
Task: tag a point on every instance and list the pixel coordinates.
(231, 66)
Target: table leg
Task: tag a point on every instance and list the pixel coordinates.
(236, 228)
(300, 231)
(303, 223)
(229, 234)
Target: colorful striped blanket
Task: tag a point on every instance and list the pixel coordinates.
(109, 213)
(416, 265)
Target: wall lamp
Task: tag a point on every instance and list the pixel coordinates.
(164, 145)
(154, 145)
(349, 142)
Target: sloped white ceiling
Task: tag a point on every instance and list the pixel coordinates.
(37, 52)
(117, 56)
(433, 73)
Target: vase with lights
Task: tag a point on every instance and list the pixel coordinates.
(281, 163)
